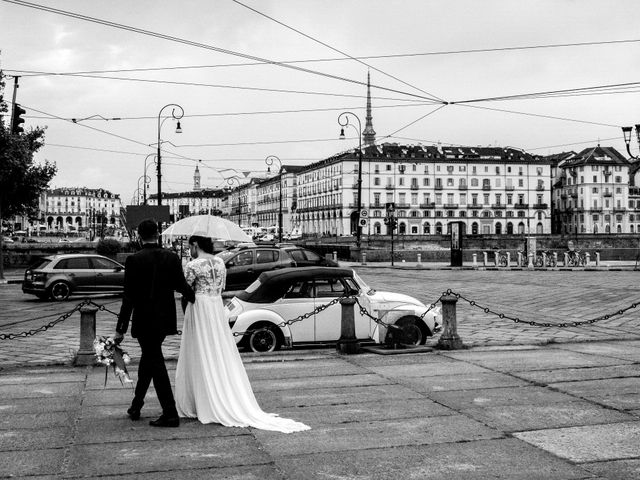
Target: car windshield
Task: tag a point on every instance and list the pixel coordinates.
(363, 285)
(226, 254)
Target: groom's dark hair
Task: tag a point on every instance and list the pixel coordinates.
(205, 243)
(148, 229)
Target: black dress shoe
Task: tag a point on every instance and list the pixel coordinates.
(134, 413)
(164, 421)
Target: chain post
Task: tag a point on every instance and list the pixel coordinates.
(485, 259)
(348, 344)
(597, 259)
(335, 256)
(555, 259)
(449, 339)
(496, 258)
(508, 259)
(475, 260)
(364, 258)
(86, 354)
(566, 259)
(587, 259)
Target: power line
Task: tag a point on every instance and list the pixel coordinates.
(335, 49)
(341, 59)
(575, 143)
(200, 45)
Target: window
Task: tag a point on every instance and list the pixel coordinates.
(618, 179)
(520, 183)
(449, 182)
(388, 168)
(243, 258)
(104, 264)
(595, 179)
(401, 183)
(497, 170)
(331, 287)
(474, 182)
(539, 171)
(425, 182)
(79, 263)
(594, 190)
(376, 180)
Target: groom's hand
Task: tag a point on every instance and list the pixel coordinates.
(118, 337)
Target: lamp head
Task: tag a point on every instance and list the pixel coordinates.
(626, 132)
(178, 128)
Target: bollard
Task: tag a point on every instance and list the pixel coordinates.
(348, 344)
(449, 339)
(597, 259)
(519, 259)
(544, 259)
(496, 259)
(555, 259)
(508, 259)
(364, 258)
(475, 260)
(419, 259)
(566, 259)
(86, 354)
(335, 256)
(485, 260)
(530, 265)
(587, 259)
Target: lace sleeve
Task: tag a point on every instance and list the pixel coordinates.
(189, 273)
(220, 272)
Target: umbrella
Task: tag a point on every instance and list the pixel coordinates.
(206, 226)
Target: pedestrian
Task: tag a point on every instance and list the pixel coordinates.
(150, 278)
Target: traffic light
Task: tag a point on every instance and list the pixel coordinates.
(17, 119)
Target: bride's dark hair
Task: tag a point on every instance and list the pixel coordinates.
(205, 243)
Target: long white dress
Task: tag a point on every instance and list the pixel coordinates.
(211, 382)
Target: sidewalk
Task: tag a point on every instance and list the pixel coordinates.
(568, 411)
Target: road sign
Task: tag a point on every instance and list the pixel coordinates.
(363, 222)
(364, 213)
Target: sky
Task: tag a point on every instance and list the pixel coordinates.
(261, 78)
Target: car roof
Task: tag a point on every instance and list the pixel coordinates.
(274, 283)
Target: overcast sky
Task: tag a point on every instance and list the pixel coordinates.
(236, 115)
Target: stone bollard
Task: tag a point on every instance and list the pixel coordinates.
(485, 258)
(566, 259)
(475, 260)
(555, 259)
(530, 264)
(544, 259)
(335, 256)
(364, 258)
(508, 259)
(449, 339)
(419, 259)
(597, 259)
(519, 259)
(587, 259)
(348, 344)
(496, 258)
(86, 354)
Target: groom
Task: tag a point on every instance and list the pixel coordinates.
(150, 278)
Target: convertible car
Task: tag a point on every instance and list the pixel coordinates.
(282, 308)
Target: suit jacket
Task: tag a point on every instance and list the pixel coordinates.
(150, 278)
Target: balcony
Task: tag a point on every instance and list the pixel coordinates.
(540, 188)
(474, 206)
(462, 187)
(451, 205)
(402, 205)
(619, 209)
(389, 187)
(574, 194)
(509, 187)
(498, 206)
(596, 209)
(521, 205)
(486, 187)
(427, 205)
(540, 206)
(414, 187)
(607, 194)
(438, 187)
(564, 196)
(354, 186)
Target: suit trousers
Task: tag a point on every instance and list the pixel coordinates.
(152, 367)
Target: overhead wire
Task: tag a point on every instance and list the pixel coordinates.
(201, 45)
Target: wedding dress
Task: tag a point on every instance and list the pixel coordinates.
(211, 382)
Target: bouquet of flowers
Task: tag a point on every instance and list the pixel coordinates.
(110, 354)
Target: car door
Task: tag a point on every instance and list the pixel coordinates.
(266, 259)
(240, 270)
(297, 301)
(80, 272)
(109, 274)
(328, 322)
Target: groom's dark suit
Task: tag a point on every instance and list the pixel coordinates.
(150, 279)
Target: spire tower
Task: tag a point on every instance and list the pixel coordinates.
(369, 134)
(196, 180)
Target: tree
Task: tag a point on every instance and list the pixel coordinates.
(21, 180)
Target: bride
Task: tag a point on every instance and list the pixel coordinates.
(211, 382)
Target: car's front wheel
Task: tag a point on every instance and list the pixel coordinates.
(263, 339)
(59, 291)
(413, 332)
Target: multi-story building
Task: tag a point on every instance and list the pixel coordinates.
(278, 195)
(594, 193)
(490, 190)
(72, 209)
(196, 202)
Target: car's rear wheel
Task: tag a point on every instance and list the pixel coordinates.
(59, 291)
(263, 339)
(413, 331)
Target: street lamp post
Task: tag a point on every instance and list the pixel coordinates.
(269, 161)
(144, 197)
(343, 121)
(177, 116)
(143, 189)
(626, 132)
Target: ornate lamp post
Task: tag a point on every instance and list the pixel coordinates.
(177, 116)
(269, 161)
(343, 120)
(626, 131)
(144, 197)
(143, 189)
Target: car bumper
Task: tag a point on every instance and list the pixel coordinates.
(34, 288)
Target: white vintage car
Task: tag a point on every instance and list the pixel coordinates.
(261, 316)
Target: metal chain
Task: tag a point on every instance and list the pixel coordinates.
(102, 308)
(541, 324)
(61, 318)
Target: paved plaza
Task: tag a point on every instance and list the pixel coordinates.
(522, 402)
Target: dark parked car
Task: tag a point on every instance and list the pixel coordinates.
(245, 263)
(59, 276)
